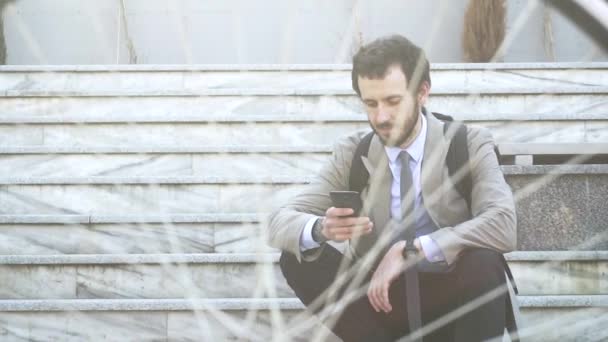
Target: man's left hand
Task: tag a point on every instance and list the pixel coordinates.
(389, 269)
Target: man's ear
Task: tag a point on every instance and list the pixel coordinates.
(423, 92)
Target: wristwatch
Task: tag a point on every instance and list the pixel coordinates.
(317, 229)
(409, 249)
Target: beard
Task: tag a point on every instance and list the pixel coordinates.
(406, 131)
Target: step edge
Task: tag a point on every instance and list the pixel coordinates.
(525, 302)
(254, 258)
(294, 67)
(101, 219)
(585, 169)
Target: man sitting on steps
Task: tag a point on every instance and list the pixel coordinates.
(420, 248)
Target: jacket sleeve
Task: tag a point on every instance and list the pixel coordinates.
(494, 222)
(285, 225)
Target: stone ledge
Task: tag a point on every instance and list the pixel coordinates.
(557, 256)
(250, 258)
(170, 218)
(165, 149)
(73, 119)
(292, 92)
(241, 218)
(526, 302)
(172, 118)
(44, 219)
(111, 259)
(155, 180)
(565, 301)
(285, 67)
(566, 169)
(151, 304)
(589, 169)
(525, 149)
(510, 149)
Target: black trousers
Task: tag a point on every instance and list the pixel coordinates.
(477, 272)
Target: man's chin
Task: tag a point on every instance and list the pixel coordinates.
(390, 137)
(389, 141)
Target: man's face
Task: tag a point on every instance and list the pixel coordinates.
(392, 110)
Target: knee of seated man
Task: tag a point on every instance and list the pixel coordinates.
(287, 262)
(480, 268)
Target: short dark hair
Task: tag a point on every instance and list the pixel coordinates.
(373, 60)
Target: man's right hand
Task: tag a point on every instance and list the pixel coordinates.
(338, 226)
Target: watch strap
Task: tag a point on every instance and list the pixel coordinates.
(409, 249)
(317, 229)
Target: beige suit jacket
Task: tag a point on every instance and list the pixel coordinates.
(493, 224)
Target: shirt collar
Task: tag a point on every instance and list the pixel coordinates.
(416, 148)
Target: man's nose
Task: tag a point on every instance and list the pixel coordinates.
(383, 113)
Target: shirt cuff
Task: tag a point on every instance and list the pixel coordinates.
(306, 240)
(432, 252)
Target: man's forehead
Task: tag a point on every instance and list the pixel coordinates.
(393, 72)
(392, 84)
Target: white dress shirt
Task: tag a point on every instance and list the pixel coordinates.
(422, 219)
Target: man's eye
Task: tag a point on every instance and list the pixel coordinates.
(371, 104)
(394, 102)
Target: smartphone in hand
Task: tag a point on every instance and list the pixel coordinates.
(347, 199)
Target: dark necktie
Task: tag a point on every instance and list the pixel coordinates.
(412, 294)
(407, 192)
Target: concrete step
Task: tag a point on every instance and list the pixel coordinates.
(559, 207)
(509, 149)
(142, 276)
(131, 238)
(234, 165)
(269, 133)
(161, 319)
(244, 233)
(560, 272)
(142, 219)
(213, 275)
(205, 237)
(334, 108)
(334, 79)
(546, 318)
(144, 198)
(166, 149)
(175, 134)
(549, 204)
(52, 163)
(223, 175)
(150, 234)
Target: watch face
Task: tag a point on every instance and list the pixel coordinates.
(317, 235)
(407, 251)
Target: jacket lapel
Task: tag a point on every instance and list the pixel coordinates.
(377, 198)
(433, 162)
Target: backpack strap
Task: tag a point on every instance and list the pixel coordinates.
(442, 117)
(358, 175)
(458, 155)
(458, 159)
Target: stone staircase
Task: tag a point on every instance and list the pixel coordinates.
(133, 199)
